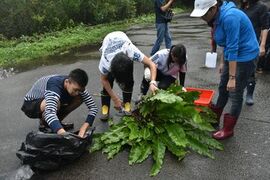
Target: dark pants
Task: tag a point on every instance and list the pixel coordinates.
(263, 61)
(126, 88)
(163, 32)
(243, 73)
(32, 108)
(164, 82)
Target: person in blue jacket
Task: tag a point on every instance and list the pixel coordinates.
(233, 31)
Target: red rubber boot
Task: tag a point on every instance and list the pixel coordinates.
(227, 130)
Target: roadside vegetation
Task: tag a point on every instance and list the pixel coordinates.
(34, 29)
(30, 48)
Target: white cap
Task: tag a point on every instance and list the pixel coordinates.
(201, 7)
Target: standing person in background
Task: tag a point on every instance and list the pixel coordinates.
(161, 6)
(258, 14)
(233, 31)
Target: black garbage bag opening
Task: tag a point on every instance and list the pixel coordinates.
(49, 151)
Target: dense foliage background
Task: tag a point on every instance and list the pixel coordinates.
(28, 17)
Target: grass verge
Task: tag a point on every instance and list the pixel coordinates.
(28, 49)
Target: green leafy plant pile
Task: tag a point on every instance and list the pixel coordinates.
(168, 120)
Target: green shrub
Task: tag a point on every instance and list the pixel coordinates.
(27, 17)
(144, 6)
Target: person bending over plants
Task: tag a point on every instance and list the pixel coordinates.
(116, 63)
(170, 63)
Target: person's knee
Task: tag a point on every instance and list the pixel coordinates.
(43, 106)
(162, 85)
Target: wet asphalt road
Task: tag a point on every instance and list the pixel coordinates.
(246, 155)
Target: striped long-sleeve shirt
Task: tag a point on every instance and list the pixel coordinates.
(51, 88)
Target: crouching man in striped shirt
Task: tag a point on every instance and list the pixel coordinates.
(53, 97)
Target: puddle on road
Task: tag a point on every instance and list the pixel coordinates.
(78, 54)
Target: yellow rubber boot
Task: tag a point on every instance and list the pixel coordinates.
(127, 107)
(104, 112)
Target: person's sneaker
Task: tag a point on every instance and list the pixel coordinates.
(259, 70)
(104, 113)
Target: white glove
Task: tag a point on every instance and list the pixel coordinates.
(147, 74)
(184, 89)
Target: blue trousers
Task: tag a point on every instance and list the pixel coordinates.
(243, 73)
(162, 33)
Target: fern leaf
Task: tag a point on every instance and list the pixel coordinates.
(114, 138)
(158, 155)
(203, 125)
(146, 133)
(112, 149)
(205, 139)
(172, 147)
(199, 147)
(97, 145)
(115, 134)
(176, 133)
(140, 152)
(165, 97)
(135, 153)
(134, 130)
(145, 152)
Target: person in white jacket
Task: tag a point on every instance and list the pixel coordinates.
(116, 63)
(170, 64)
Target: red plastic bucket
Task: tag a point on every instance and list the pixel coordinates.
(205, 97)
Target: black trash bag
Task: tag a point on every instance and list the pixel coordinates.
(49, 151)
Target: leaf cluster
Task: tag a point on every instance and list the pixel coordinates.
(168, 120)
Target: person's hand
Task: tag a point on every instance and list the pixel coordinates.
(117, 103)
(262, 51)
(220, 68)
(61, 131)
(184, 89)
(153, 88)
(82, 132)
(231, 85)
(83, 129)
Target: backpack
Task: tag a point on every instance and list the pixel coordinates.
(168, 15)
